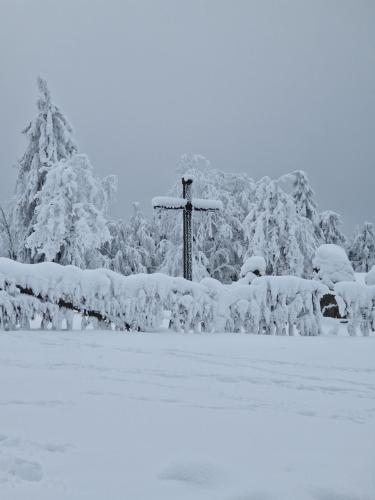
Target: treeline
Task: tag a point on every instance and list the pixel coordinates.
(59, 213)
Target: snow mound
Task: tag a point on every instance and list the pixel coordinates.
(25, 470)
(370, 277)
(331, 265)
(198, 473)
(252, 267)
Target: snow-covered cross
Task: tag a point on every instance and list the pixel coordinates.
(187, 204)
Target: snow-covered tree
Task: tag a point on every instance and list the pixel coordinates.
(271, 229)
(330, 223)
(305, 201)
(69, 222)
(274, 229)
(132, 246)
(50, 139)
(362, 248)
(304, 196)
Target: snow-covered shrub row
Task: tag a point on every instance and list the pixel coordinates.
(131, 302)
(357, 304)
(17, 309)
(273, 305)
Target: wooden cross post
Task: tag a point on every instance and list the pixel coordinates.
(187, 204)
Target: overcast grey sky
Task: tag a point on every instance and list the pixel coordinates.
(263, 87)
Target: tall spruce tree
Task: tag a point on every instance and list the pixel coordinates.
(330, 223)
(50, 139)
(362, 248)
(70, 223)
(271, 230)
(304, 196)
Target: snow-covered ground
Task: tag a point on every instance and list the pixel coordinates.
(102, 415)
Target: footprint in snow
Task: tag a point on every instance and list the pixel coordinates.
(198, 473)
(19, 468)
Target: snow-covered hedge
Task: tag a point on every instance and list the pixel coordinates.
(273, 305)
(357, 304)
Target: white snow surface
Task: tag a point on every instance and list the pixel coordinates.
(104, 415)
(370, 277)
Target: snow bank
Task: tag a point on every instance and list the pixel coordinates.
(271, 305)
(331, 265)
(370, 277)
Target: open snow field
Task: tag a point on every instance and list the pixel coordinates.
(110, 416)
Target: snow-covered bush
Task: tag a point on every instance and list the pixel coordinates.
(331, 265)
(286, 302)
(252, 268)
(357, 303)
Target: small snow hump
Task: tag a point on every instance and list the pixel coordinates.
(199, 473)
(252, 268)
(19, 468)
(331, 265)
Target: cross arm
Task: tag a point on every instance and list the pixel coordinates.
(207, 205)
(198, 204)
(168, 203)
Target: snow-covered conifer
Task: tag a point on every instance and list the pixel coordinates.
(70, 215)
(304, 196)
(362, 248)
(50, 139)
(330, 223)
(132, 247)
(271, 229)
